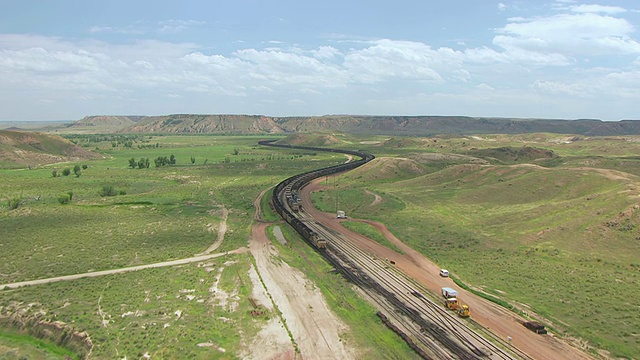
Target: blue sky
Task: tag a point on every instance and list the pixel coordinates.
(566, 59)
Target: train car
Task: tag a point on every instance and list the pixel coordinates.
(287, 190)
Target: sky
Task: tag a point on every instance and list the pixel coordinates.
(561, 59)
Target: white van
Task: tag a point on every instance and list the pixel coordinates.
(444, 273)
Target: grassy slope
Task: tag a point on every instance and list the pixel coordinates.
(546, 238)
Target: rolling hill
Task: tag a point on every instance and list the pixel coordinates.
(21, 148)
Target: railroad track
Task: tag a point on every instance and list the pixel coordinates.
(431, 318)
(437, 333)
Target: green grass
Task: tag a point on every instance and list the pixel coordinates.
(140, 310)
(520, 234)
(372, 233)
(525, 235)
(166, 213)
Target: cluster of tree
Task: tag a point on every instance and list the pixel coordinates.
(144, 163)
(162, 161)
(67, 171)
(115, 139)
(65, 198)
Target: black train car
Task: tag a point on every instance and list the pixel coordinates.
(291, 185)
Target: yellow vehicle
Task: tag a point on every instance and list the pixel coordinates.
(451, 303)
(461, 309)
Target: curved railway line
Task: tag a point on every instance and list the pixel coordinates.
(431, 330)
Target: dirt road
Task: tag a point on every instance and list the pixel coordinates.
(501, 321)
(120, 271)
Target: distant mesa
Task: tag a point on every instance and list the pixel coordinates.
(356, 124)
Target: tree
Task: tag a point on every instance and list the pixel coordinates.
(193, 160)
(70, 193)
(236, 151)
(76, 170)
(146, 163)
(172, 160)
(54, 173)
(64, 199)
(66, 172)
(132, 163)
(141, 163)
(84, 166)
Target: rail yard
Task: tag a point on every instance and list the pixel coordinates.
(404, 304)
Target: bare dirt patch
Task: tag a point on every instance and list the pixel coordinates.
(315, 329)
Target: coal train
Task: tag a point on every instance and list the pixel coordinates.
(291, 186)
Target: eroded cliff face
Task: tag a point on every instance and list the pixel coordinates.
(36, 325)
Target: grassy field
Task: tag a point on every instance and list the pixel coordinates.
(561, 241)
(157, 214)
(164, 312)
(557, 236)
(163, 213)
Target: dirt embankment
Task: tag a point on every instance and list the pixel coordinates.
(313, 327)
(57, 332)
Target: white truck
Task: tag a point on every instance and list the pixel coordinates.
(448, 293)
(341, 214)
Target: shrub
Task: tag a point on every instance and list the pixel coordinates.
(14, 203)
(107, 190)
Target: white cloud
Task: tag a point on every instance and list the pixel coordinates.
(485, 87)
(598, 9)
(502, 6)
(132, 30)
(326, 52)
(280, 67)
(176, 26)
(386, 59)
(571, 35)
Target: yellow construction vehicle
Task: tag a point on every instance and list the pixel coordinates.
(463, 310)
(453, 304)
